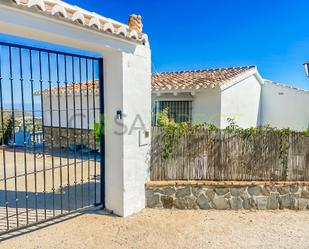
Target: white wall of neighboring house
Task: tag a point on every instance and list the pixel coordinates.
(206, 106)
(250, 101)
(67, 117)
(242, 102)
(285, 107)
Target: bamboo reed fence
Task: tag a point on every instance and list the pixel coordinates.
(221, 155)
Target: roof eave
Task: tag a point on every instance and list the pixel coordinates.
(114, 34)
(241, 77)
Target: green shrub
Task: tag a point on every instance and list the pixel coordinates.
(7, 132)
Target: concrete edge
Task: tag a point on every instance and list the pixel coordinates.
(153, 184)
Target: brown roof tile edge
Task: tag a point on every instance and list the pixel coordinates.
(197, 79)
(67, 12)
(154, 184)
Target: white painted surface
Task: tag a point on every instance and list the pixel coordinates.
(249, 101)
(206, 107)
(239, 100)
(242, 102)
(284, 107)
(127, 87)
(137, 108)
(81, 114)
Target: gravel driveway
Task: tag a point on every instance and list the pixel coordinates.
(173, 229)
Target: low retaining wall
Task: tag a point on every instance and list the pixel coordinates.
(227, 195)
(68, 136)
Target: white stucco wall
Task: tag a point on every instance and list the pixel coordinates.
(206, 106)
(239, 99)
(126, 87)
(242, 102)
(81, 114)
(137, 108)
(284, 107)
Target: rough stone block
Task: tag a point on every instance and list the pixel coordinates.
(303, 204)
(222, 191)
(183, 192)
(245, 195)
(185, 203)
(294, 188)
(261, 202)
(167, 202)
(210, 194)
(265, 191)
(152, 199)
(255, 190)
(248, 204)
(203, 202)
(283, 190)
(237, 192)
(197, 191)
(167, 191)
(273, 201)
(236, 203)
(287, 201)
(221, 203)
(305, 194)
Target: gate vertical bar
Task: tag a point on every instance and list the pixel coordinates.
(51, 129)
(94, 133)
(88, 135)
(14, 137)
(74, 132)
(60, 135)
(102, 131)
(24, 130)
(67, 127)
(34, 141)
(81, 130)
(43, 130)
(3, 149)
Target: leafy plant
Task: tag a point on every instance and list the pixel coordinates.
(252, 139)
(97, 130)
(7, 132)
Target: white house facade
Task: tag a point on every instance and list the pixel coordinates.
(214, 96)
(211, 96)
(284, 106)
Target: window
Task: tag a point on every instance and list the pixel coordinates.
(180, 111)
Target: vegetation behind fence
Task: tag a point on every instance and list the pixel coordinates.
(201, 153)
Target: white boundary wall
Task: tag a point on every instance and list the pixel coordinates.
(285, 107)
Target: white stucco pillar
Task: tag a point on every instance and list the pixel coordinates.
(127, 145)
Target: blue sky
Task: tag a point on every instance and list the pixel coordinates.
(201, 34)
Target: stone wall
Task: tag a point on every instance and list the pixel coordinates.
(227, 195)
(60, 137)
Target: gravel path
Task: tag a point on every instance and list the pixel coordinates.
(173, 229)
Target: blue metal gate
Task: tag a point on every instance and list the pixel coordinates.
(51, 139)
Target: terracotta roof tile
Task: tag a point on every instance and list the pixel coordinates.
(168, 81)
(67, 12)
(196, 79)
(77, 87)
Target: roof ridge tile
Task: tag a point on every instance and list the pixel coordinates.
(197, 78)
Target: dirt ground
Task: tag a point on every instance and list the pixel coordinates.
(62, 182)
(173, 229)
